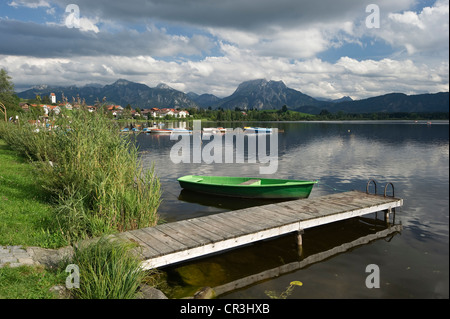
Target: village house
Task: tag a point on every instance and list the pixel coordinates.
(49, 108)
(24, 106)
(115, 110)
(160, 113)
(67, 106)
(181, 114)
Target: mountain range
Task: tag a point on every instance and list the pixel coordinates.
(255, 94)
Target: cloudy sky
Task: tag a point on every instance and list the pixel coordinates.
(324, 48)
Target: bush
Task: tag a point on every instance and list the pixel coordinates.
(108, 270)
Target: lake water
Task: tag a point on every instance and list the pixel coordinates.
(411, 252)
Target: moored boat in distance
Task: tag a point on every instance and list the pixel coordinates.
(247, 187)
(257, 129)
(180, 131)
(161, 131)
(214, 130)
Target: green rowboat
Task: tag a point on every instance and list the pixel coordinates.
(247, 187)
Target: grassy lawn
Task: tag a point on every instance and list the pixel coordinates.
(99, 187)
(29, 282)
(25, 213)
(24, 219)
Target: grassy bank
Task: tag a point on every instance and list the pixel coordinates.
(25, 212)
(107, 270)
(28, 282)
(25, 218)
(90, 172)
(78, 181)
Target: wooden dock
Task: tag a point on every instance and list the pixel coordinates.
(183, 240)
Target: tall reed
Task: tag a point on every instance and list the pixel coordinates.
(93, 173)
(108, 270)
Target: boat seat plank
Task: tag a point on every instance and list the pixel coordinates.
(250, 182)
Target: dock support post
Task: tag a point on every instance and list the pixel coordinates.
(387, 213)
(300, 232)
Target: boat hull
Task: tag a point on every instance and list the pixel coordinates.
(161, 131)
(246, 187)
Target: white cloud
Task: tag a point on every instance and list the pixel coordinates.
(234, 41)
(221, 75)
(29, 3)
(294, 43)
(420, 32)
(88, 25)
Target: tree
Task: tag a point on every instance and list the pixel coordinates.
(6, 86)
(46, 99)
(324, 112)
(8, 97)
(3, 110)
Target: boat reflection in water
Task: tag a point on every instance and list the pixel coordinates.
(222, 201)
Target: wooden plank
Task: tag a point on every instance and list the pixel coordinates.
(368, 201)
(263, 213)
(292, 213)
(341, 216)
(175, 232)
(218, 246)
(343, 204)
(146, 250)
(304, 207)
(199, 226)
(250, 182)
(263, 221)
(198, 234)
(260, 218)
(164, 238)
(227, 226)
(243, 225)
(371, 199)
(152, 242)
(313, 209)
(237, 227)
(330, 207)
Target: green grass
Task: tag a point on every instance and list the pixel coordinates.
(108, 270)
(25, 213)
(78, 181)
(91, 172)
(29, 282)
